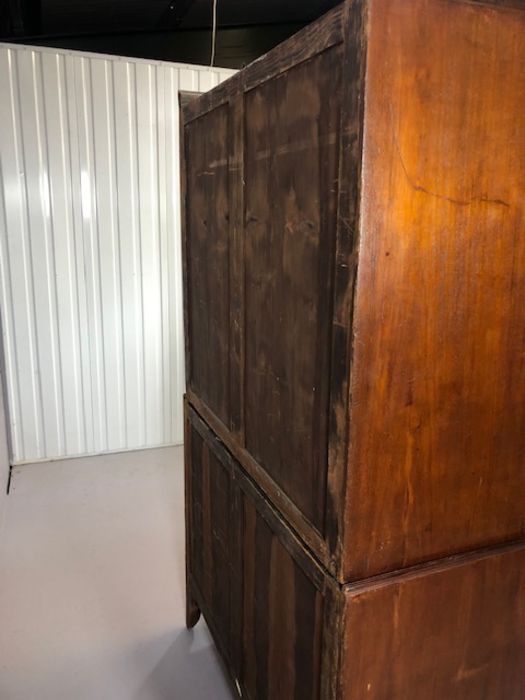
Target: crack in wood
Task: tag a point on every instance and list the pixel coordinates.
(444, 197)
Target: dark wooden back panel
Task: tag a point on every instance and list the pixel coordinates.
(291, 126)
(212, 525)
(438, 385)
(267, 602)
(455, 633)
(207, 259)
(270, 211)
(283, 613)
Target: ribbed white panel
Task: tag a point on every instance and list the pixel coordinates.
(90, 258)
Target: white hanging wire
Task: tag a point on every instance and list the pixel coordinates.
(214, 33)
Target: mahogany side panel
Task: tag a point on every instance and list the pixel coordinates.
(438, 377)
(456, 632)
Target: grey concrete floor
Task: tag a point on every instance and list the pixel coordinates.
(92, 584)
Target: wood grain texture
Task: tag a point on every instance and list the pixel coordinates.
(237, 282)
(291, 172)
(290, 284)
(207, 259)
(212, 521)
(277, 613)
(438, 377)
(355, 481)
(268, 257)
(283, 619)
(285, 233)
(457, 632)
(276, 495)
(345, 270)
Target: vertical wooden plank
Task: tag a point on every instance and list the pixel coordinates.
(307, 613)
(283, 617)
(315, 621)
(261, 626)
(283, 645)
(192, 611)
(237, 574)
(290, 207)
(207, 259)
(237, 311)
(207, 524)
(196, 487)
(354, 60)
(220, 537)
(331, 646)
(249, 668)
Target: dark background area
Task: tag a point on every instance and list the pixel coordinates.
(170, 30)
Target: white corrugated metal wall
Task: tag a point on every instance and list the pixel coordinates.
(90, 250)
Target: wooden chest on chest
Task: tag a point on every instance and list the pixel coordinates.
(354, 251)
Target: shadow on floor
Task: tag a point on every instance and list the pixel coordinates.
(187, 671)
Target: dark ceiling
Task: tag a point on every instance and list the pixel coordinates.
(26, 18)
(172, 30)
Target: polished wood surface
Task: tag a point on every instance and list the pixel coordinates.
(438, 376)
(454, 631)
